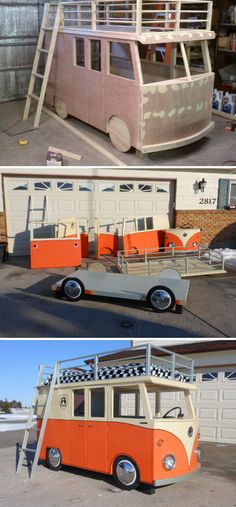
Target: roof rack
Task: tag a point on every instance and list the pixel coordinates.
(139, 17)
(151, 358)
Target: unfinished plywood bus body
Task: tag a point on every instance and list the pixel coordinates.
(108, 414)
(138, 70)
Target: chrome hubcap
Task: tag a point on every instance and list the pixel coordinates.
(126, 472)
(72, 289)
(54, 457)
(161, 299)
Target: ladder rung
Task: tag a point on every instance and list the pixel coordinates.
(45, 28)
(33, 96)
(43, 50)
(28, 449)
(32, 429)
(41, 76)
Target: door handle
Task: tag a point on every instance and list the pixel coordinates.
(91, 425)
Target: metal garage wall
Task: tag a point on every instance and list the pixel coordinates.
(19, 26)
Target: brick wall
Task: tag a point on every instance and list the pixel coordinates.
(3, 229)
(218, 226)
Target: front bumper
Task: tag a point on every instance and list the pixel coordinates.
(172, 480)
(179, 142)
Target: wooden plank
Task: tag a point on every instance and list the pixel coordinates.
(69, 154)
(85, 138)
(228, 116)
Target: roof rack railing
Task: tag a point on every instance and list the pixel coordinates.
(138, 15)
(144, 353)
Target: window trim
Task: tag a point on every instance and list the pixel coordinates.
(96, 418)
(231, 182)
(75, 52)
(82, 417)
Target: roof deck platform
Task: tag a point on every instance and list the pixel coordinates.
(146, 363)
(147, 21)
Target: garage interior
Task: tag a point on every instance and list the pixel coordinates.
(20, 28)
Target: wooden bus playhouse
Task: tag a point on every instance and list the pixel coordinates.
(139, 70)
(108, 413)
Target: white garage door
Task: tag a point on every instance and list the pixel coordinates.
(110, 200)
(215, 404)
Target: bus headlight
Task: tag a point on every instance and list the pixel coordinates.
(169, 462)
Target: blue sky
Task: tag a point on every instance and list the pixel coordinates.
(19, 361)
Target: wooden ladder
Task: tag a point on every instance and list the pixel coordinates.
(43, 370)
(49, 55)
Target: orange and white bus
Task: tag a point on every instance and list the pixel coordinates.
(110, 414)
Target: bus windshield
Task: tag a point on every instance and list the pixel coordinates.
(161, 62)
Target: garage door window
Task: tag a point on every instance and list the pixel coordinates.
(64, 186)
(18, 185)
(42, 185)
(230, 375)
(85, 187)
(106, 187)
(126, 187)
(145, 188)
(209, 377)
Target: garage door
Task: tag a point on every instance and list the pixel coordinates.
(63, 198)
(215, 404)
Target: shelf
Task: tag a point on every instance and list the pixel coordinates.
(227, 51)
(228, 26)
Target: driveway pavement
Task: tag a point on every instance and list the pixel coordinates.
(26, 295)
(213, 486)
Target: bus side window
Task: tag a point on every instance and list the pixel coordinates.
(79, 52)
(79, 402)
(97, 402)
(127, 403)
(95, 52)
(120, 60)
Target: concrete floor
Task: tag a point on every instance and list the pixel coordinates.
(217, 149)
(213, 486)
(26, 294)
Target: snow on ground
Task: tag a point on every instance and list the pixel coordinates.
(13, 422)
(229, 256)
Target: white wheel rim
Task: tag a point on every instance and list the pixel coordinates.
(126, 472)
(72, 289)
(160, 299)
(54, 457)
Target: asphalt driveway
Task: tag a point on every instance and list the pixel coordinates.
(26, 295)
(213, 486)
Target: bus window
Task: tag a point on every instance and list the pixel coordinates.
(97, 402)
(120, 60)
(79, 52)
(188, 59)
(95, 53)
(162, 401)
(127, 403)
(79, 402)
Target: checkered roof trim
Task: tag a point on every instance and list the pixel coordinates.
(115, 372)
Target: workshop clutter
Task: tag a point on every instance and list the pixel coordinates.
(225, 102)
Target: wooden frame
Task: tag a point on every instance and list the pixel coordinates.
(149, 113)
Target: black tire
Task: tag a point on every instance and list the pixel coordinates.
(69, 294)
(54, 459)
(129, 482)
(162, 306)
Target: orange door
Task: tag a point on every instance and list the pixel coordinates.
(97, 446)
(78, 445)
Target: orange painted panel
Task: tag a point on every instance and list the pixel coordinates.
(107, 244)
(138, 241)
(96, 444)
(55, 253)
(189, 243)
